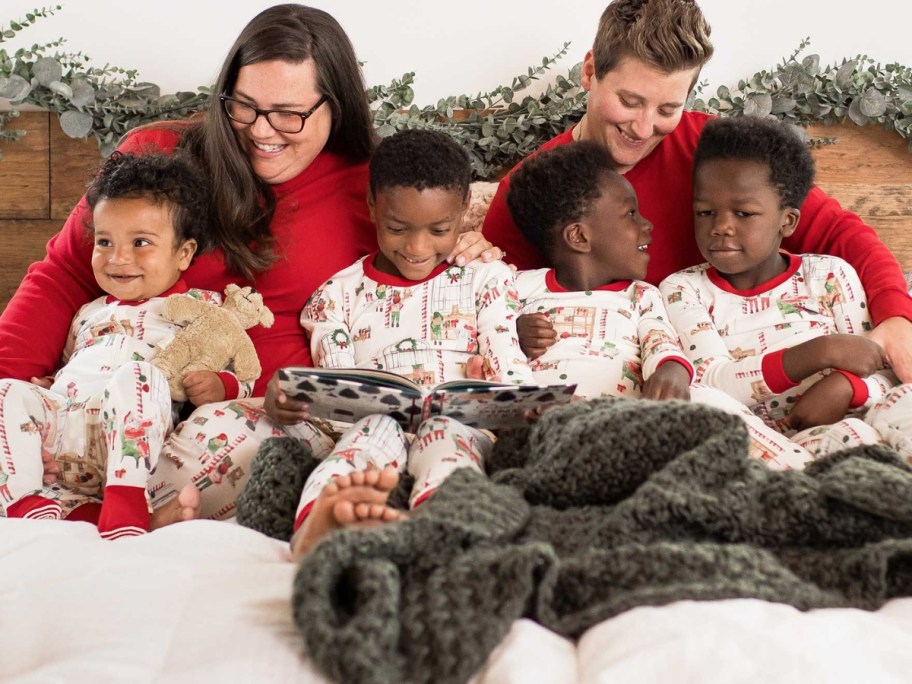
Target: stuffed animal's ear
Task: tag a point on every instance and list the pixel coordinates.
(230, 290)
(266, 317)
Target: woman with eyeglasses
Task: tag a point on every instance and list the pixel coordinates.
(285, 145)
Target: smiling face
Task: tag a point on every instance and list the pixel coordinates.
(135, 256)
(739, 221)
(633, 107)
(618, 234)
(278, 157)
(416, 229)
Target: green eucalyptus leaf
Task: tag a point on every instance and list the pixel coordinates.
(61, 89)
(855, 113)
(758, 104)
(76, 124)
(83, 94)
(844, 74)
(872, 103)
(385, 130)
(15, 88)
(782, 104)
(904, 92)
(47, 70)
(811, 64)
(816, 108)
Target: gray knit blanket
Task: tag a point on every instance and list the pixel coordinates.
(600, 507)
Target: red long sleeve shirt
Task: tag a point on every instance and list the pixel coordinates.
(663, 183)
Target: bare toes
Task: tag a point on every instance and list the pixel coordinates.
(387, 479)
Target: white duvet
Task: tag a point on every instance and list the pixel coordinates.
(205, 602)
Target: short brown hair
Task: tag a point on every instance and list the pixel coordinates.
(668, 35)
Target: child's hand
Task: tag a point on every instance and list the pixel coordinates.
(825, 402)
(281, 408)
(855, 354)
(44, 382)
(532, 415)
(50, 466)
(670, 381)
(536, 334)
(203, 387)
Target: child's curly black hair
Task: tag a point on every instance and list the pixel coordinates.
(174, 180)
(555, 188)
(420, 159)
(769, 142)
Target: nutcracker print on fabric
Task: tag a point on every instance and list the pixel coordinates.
(784, 334)
(407, 310)
(613, 332)
(104, 416)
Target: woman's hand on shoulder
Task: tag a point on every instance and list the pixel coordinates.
(895, 336)
(281, 408)
(473, 245)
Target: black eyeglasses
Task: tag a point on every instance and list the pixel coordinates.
(282, 120)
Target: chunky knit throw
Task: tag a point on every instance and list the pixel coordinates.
(600, 507)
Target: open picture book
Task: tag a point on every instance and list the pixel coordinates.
(349, 394)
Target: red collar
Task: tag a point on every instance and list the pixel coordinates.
(398, 281)
(794, 263)
(554, 286)
(180, 287)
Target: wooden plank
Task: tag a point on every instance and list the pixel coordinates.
(23, 243)
(75, 160)
(869, 170)
(24, 184)
(862, 154)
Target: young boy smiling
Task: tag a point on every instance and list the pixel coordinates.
(781, 333)
(106, 412)
(406, 310)
(613, 334)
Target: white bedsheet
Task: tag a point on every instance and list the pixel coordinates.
(209, 602)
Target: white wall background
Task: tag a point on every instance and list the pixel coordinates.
(455, 46)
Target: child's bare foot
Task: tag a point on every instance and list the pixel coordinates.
(357, 499)
(185, 506)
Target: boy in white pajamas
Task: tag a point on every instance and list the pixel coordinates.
(405, 309)
(782, 333)
(105, 414)
(613, 333)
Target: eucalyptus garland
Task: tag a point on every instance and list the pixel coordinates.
(497, 128)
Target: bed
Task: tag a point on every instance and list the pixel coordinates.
(209, 602)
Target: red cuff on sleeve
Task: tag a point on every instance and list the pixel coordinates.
(230, 383)
(774, 372)
(678, 359)
(860, 392)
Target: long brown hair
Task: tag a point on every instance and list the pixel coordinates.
(243, 204)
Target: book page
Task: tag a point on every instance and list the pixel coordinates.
(350, 396)
(497, 406)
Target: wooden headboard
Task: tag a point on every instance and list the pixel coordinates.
(42, 176)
